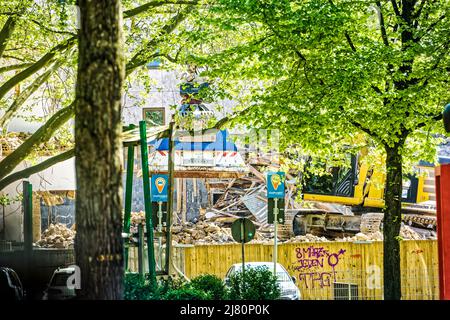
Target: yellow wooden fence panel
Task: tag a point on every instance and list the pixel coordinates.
(317, 266)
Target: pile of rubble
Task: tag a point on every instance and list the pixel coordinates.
(57, 236)
(372, 236)
(11, 142)
(137, 217)
(307, 238)
(200, 233)
(406, 233)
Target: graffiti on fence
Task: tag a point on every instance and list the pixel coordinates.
(311, 263)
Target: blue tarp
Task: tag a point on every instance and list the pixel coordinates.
(222, 143)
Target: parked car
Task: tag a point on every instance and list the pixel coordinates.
(289, 290)
(10, 285)
(57, 288)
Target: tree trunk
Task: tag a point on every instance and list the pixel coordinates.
(392, 222)
(98, 151)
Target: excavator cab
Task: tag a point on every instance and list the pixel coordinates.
(338, 181)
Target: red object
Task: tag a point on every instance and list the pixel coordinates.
(443, 228)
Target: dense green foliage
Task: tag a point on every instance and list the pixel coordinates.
(260, 284)
(210, 284)
(254, 284)
(325, 72)
(186, 293)
(136, 288)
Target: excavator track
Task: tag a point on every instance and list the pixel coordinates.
(324, 223)
(421, 221)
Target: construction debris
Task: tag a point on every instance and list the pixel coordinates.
(205, 232)
(200, 233)
(307, 238)
(406, 233)
(137, 218)
(57, 236)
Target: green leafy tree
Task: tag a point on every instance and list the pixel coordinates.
(324, 71)
(38, 50)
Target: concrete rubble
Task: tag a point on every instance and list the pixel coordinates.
(57, 236)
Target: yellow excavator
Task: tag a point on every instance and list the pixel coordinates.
(350, 197)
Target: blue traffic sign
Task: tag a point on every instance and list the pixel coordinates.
(159, 187)
(275, 184)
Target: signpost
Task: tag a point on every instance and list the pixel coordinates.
(243, 230)
(159, 195)
(275, 192)
(147, 200)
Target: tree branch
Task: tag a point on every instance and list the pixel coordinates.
(52, 30)
(417, 14)
(24, 95)
(43, 134)
(349, 41)
(362, 128)
(142, 56)
(47, 58)
(396, 10)
(152, 4)
(15, 67)
(430, 27)
(434, 118)
(6, 32)
(382, 25)
(25, 173)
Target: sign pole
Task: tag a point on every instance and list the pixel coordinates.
(275, 239)
(170, 186)
(243, 250)
(160, 214)
(128, 197)
(141, 250)
(147, 200)
(243, 230)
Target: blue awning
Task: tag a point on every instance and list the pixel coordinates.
(222, 143)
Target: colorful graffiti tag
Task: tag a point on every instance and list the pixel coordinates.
(311, 263)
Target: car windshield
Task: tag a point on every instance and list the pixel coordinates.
(60, 279)
(283, 276)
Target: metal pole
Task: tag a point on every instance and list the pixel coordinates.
(275, 240)
(171, 169)
(141, 250)
(128, 197)
(28, 217)
(243, 250)
(160, 214)
(147, 201)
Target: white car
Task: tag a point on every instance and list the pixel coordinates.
(57, 288)
(289, 290)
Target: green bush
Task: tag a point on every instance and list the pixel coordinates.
(186, 293)
(256, 284)
(210, 284)
(136, 288)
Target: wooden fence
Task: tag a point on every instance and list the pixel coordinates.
(318, 267)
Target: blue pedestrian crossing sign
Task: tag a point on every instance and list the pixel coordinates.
(275, 184)
(159, 187)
